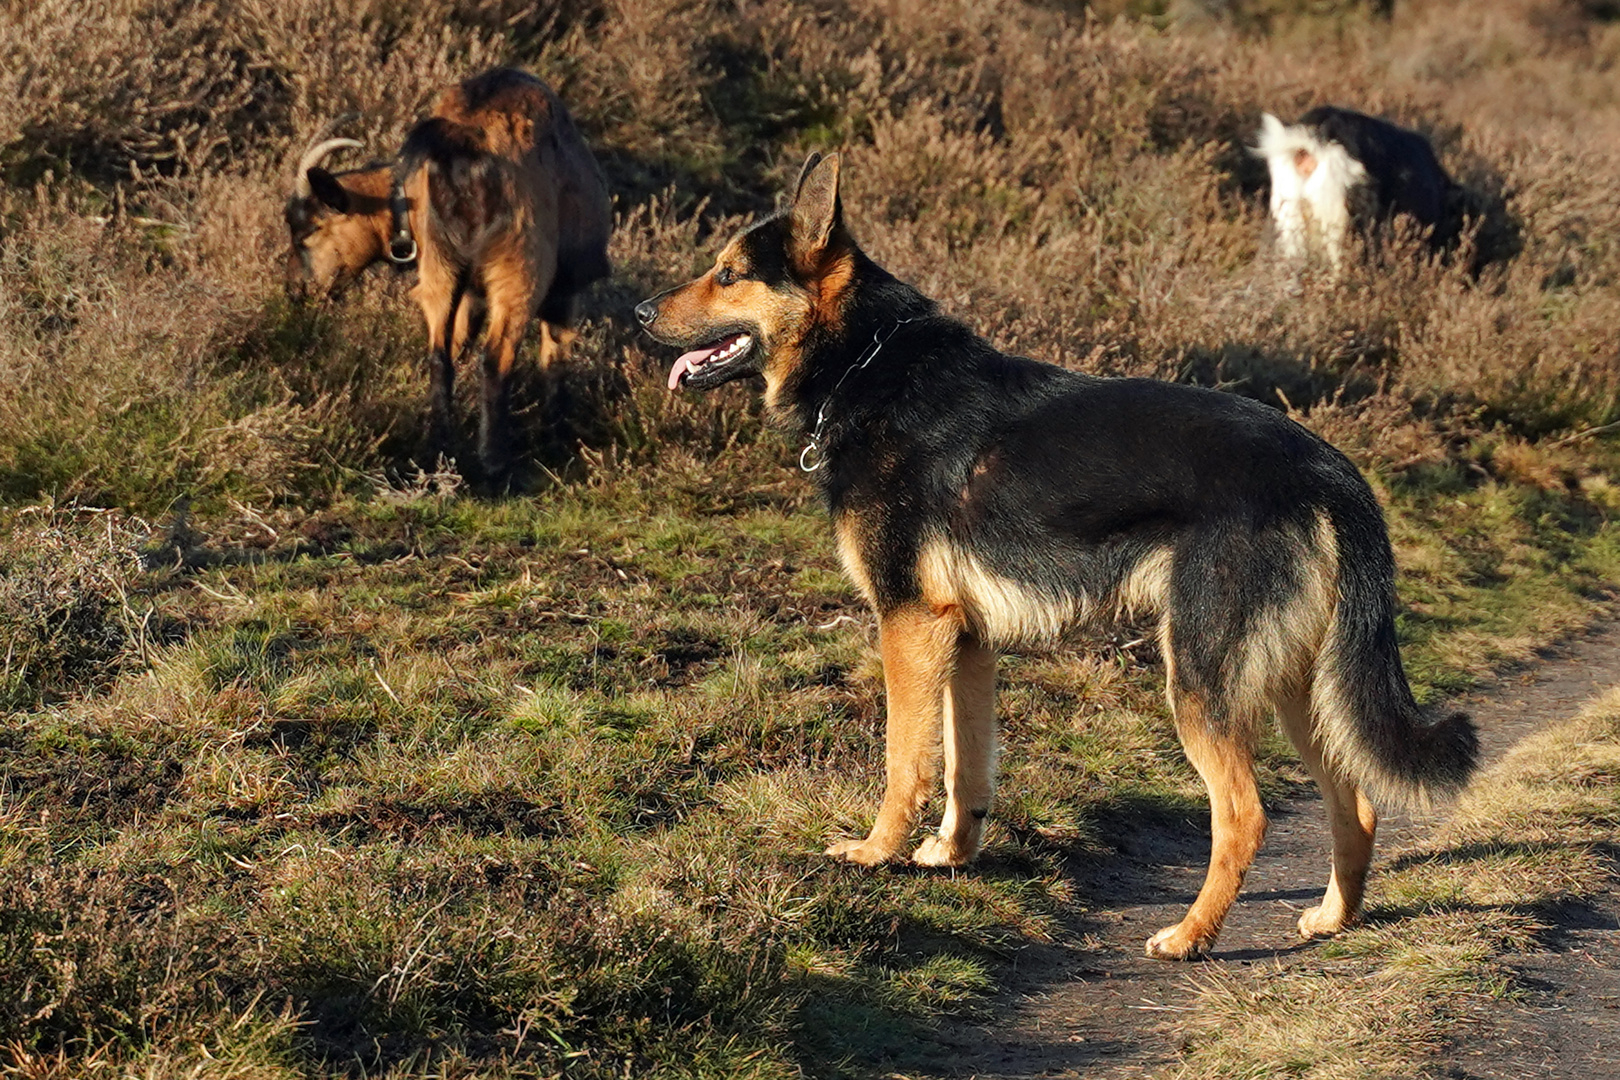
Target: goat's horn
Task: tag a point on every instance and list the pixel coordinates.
(313, 157)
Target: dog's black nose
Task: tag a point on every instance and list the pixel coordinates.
(646, 311)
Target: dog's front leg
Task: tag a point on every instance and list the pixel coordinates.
(919, 650)
(970, 757)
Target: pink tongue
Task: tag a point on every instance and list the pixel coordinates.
(684, 363)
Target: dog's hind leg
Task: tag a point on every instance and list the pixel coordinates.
(1222, 751)
(1351, 817)
(970, 757)
(919, 649)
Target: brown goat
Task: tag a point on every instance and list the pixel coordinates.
(499, 203)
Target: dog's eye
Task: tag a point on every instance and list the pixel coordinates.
(726, 276)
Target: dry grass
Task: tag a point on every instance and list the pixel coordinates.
(406, 781)
(1077, 190)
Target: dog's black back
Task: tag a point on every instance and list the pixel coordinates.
(1065, 483)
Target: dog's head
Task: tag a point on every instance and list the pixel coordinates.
(772, 285)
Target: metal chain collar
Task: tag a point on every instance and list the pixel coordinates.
(811, 457)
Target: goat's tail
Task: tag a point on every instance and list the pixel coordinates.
(1293, 153)
(468, 189)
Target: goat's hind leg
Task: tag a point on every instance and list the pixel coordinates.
(446, 310)
(506, 321)
(441, 396)
(557, 333)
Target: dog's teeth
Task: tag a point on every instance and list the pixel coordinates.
(737, 346)
(731, 350)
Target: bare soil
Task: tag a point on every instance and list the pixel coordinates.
(1103, 1009)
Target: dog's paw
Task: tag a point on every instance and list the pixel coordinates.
(1317, 922)
(862, 852)
(1180, 942)
(938, 851)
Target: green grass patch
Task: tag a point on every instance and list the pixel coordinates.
(542, 784)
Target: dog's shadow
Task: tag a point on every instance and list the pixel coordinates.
(1157, 853)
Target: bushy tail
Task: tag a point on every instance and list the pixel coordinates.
(1373, 728)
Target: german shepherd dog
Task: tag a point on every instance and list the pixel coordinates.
(982, 501)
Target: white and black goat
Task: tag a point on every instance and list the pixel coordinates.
(1336, 170)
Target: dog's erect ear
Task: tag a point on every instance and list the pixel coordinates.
(816, 212)
(325, 187)
(805, 170)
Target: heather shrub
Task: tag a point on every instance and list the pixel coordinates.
(70, 612)
(1077, 189)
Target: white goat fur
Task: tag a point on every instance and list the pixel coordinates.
(1311, 181)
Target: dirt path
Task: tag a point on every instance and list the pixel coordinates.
(1108, 1011)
